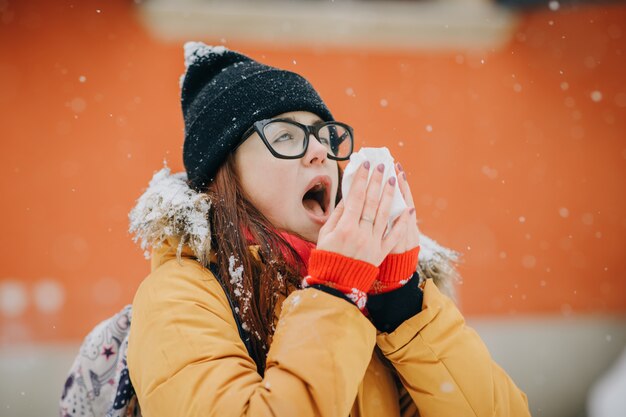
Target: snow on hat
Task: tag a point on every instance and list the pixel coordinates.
(223, 93)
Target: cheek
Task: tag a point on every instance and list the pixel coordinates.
(270, 186)
(335, 177)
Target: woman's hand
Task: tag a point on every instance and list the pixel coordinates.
(411, 238)
(356, 227)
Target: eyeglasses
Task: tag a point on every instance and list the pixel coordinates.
(288, 139)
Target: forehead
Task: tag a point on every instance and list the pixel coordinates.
(303, 117)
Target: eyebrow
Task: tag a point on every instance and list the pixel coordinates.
(315, 123)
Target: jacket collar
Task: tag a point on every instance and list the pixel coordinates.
(168, 250)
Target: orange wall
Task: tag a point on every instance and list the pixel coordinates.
(507, 142)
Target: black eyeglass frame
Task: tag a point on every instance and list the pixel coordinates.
(309, 130)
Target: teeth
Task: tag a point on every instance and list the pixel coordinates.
(317, 187)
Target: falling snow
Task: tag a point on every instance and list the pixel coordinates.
(49, 296)
(596, 96)
(447, 387)
(491, 173)
(13, 298)
(295, 300)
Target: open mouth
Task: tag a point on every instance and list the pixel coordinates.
(316, 199)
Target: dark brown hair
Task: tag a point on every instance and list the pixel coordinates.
(252, 284)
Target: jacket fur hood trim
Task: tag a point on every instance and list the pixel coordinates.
(169, 208)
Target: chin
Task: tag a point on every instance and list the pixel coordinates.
(307, 234)
(310, 232)
(313, 236)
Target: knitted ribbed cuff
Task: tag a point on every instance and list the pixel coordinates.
(389, 310)
(395, 271)
(341, 272)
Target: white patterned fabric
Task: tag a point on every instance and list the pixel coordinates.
(98, 384)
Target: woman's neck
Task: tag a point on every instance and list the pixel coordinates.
(301, 246)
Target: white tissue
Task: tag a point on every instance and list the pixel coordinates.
(375, 156)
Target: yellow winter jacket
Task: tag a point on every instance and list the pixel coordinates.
(186, 358)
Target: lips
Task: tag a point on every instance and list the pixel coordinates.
(316, 198)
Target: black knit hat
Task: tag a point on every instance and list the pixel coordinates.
(223, 93)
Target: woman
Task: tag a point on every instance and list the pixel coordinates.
(225, 324)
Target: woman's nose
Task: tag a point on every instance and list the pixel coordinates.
(316, 152)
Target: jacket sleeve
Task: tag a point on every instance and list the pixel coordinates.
(186, 358)
(445, 366)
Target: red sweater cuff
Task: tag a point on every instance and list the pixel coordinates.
(340, 272)
(396, 270)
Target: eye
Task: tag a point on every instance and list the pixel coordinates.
(283, 138)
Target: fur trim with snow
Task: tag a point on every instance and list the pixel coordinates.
(169, 208)
(439, 264)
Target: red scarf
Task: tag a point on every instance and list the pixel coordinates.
(301, 246)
